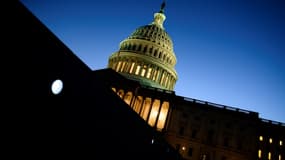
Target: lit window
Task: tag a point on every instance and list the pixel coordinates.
(162, 115)
(148, 73)
(154, 112)
(128, 98)
(118, 66)
(154, 75)
(56, 86)
(270, 140)
(138, 70)
(143, 71)
(146, 108)
(123, 66)
(137, 104)
(259, 153)
(280, 143)
(260, 138)
(132, 67)
(162, 78)
(120, 93)
(269, 155)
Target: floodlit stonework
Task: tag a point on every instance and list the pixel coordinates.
(147, 56)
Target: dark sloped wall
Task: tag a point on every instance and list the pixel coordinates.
(85, 119)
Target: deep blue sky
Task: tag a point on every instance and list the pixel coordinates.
(230, 52)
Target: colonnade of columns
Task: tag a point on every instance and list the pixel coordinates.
(149, 50)
(149, 71)
(154, 111)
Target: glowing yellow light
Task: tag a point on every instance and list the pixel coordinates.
(259, 153)
(132, 67)
(146, 108)
(280, 143)
(137, 104)
(154, 112)
(143, 72)
(128, 98)
(118, 66)
(260, 138)
(123, 66)
(148, 73)
(270, 140)
(183, 148)
(138, 70)
(279, 157)
(162, 115)
(269, 155)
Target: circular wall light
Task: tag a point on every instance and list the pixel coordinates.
(56, 86)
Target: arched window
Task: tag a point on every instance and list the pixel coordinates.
(129, 46)
(134, 47)
(120, 93)
(143, 70)
(128, 97)
(137, 104)
(150, 50)
(148, 72)
(154, 112)
(144, 49)
(162, 115)
(146, 107)
(140, 47)
(155, 53)
(154, 74)
(138, 70)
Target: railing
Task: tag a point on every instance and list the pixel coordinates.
(158, 89)
(219, 106)
(272, 122)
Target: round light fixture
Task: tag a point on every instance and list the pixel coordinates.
(56, 86)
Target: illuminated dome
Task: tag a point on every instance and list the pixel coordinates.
(147, 55)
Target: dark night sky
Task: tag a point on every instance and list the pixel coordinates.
(229, 52)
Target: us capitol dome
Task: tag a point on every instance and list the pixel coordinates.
(147, 55)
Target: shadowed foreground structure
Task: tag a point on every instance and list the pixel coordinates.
(86, 118)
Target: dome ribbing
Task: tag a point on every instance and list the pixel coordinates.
(147, 55)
